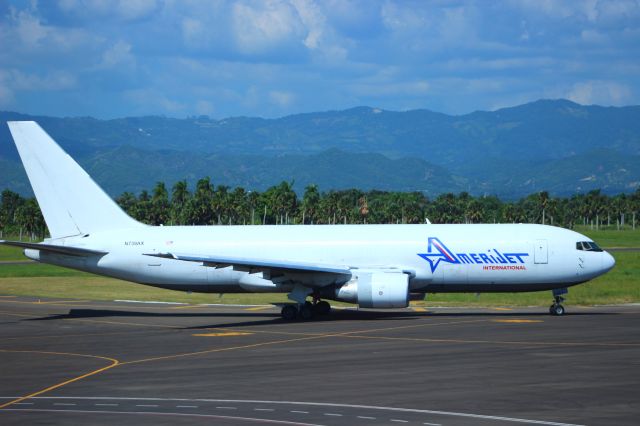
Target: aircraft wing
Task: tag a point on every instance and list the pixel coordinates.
(52, 248)
(273, 268)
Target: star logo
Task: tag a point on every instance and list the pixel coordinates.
(436, 253)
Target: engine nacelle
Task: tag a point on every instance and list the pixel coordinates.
(256, 283)
(376, 289)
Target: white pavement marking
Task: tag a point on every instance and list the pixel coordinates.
(366, 417)
(314, 404)
(23, 403)
(400, 421)
(431, 424)
(106, 405)
(146, 405)
(299, 412)
(186, 406)
(227, 408)
(161, 413)
(333, 414)
(264, 409)
(64, 404)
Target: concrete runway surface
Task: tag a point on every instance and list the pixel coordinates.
(81, 362)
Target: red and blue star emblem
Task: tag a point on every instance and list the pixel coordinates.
(437, 252)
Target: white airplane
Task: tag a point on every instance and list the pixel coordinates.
(374, 266)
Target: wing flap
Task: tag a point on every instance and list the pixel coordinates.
(258, 264)
(70, 251)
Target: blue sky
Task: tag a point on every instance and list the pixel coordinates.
(270, 58)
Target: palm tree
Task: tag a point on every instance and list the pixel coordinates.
(10, 201)
(128, 202)
(201, 211)
(159, 209)
(180, 202)
(310, 204)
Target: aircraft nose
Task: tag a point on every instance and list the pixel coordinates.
(608, 261)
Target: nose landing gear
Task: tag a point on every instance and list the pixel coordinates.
(557, 309)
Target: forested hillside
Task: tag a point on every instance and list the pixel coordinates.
(556, 146)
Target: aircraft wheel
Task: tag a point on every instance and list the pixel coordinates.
(323, 307)
(289, 313)
(557, 310)
(306, 312)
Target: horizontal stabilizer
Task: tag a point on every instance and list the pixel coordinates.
(71, 251)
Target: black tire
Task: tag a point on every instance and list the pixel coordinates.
(289, 312)
(306, 312)
(558, 310)
(323, 308)
(551, 309)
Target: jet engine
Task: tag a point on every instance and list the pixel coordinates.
(376, 289)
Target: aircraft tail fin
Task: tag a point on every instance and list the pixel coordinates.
(71, 202)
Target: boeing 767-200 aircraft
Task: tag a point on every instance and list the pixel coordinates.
(374, 266)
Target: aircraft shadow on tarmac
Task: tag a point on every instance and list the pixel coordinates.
(275, 318)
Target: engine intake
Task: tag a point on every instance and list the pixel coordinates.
(376, 289)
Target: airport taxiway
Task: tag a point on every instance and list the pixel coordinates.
(74, 361)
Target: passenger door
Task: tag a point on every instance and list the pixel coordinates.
(541, 252)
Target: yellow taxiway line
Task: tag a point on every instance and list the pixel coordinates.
(114, 363)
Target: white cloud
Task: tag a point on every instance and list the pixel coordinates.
(193, 32)
(13, 82)
(204, 107)
(593, 37)
(260, 27)
(599, 92)
(266, 57)
(391, 89)
(29, 29)
(614, 10)
(282, 99)
(151, 99)
(314, 21)
(118, 54)
(50, 81)
(502, 64)
(556, 9)
(135, 9)
(323, 41)
(24, 31)
(6, 94)
(101, 9)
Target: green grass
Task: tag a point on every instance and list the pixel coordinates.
(38, 270)
(610, 237)
(100, 288)
(10, 253)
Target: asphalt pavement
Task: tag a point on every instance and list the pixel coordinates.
(81, 362)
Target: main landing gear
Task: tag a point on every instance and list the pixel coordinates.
(557, 309)
(305, 311)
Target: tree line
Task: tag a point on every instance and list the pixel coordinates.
(208, 204)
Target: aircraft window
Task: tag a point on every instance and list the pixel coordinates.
(587, 246)
(595, 247)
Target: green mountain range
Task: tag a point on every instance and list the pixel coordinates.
(553, 145)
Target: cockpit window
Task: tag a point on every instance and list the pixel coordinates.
(587, 246)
